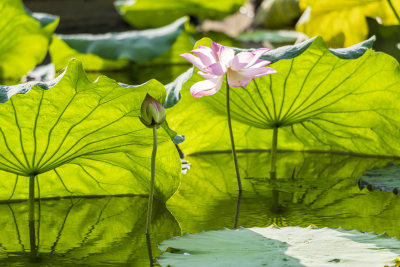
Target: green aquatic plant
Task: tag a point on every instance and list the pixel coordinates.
(219, 64)
(72, 136)
(320, 99)
(25, 39)
(152, 116)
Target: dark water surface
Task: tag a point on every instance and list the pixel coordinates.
(311, 188)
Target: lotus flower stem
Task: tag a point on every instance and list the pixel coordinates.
(274, 152)
(228, 109)
(394, 10)
(153, 171)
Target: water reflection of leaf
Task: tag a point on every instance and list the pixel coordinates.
(323, 193)
(89, 232)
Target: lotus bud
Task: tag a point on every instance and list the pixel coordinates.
(152, 112)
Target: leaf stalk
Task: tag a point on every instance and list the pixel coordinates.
(228, 109)
(153, 169)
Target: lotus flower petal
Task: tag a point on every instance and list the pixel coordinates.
(206, 87)
(194, 60)
(243, 77)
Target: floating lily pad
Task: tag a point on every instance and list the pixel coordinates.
(386, 178)
(274, 246)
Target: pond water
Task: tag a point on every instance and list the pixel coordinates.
(311, 188)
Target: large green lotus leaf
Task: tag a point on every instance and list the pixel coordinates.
(82, 138)
(141, 13)
(345, 19)
(311, 188)
(331, 100)
(286, 246)
(87, 232)
(24, 42)
(113, 51)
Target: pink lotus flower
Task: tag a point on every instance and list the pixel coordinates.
(216, 61)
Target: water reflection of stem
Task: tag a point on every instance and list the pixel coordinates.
(149, 250)
(237, 210)
(31, 218)
(274, 152)
(153, 169)
(394, 10)
(228, 109)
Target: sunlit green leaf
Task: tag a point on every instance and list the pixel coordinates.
(89, 232)
(112, 51)
(82, 138)
(331, 100)
(24, 42)
(343, 22)
(141, 13)
(274, 246)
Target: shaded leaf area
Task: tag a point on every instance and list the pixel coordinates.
(82, 138)
(340, 100)
(277, 14)
(86, 232)
(387, 37)
(272, 36)
(345, 19)
(323, 192)
(24, 42)
(386, 178)
(287, 246)
(138, 12)
(113, 51)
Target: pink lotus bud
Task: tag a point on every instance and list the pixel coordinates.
(152, 112)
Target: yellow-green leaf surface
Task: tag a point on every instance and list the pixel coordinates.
(140, 13)
(82, 138)
(343, 22)
(24, 42)
(113, 51)
(332, 100)
(107, 231)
